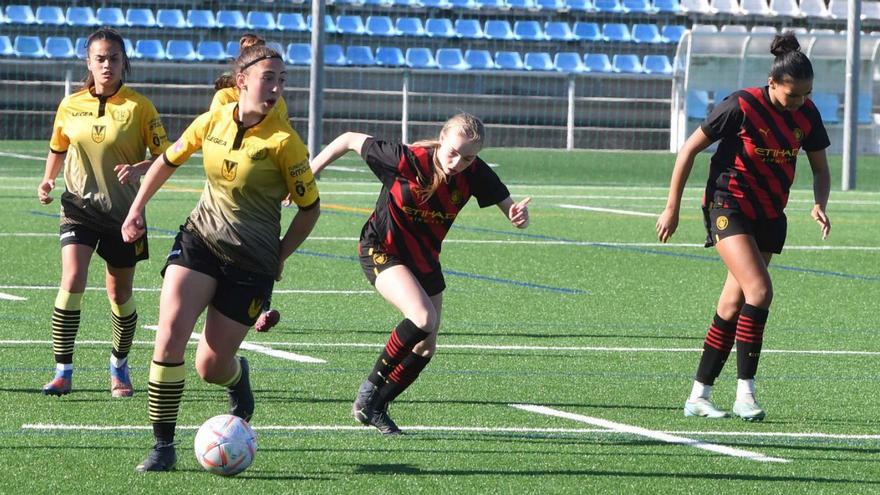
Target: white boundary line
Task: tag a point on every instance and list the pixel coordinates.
(656, 435)
(157, 289)
(609, 210)
(9, 297)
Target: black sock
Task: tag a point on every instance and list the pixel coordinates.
(716, 348)
(401, 377)
(749, 339)
(403, 338)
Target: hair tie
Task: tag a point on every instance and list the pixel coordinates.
(260, 59)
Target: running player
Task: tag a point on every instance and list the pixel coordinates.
(228, 252)
(425, 185)
(761, 130)
(100, 136)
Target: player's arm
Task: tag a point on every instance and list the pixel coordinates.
(516, 212)
(54, 162)
(299, 229)
(349, 141)
(684, 162)
(132, 172)
(821, 189)
(133, 227)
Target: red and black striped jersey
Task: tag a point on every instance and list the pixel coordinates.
(406, 227)
(753, 167)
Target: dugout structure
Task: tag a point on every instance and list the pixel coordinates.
(710, 65)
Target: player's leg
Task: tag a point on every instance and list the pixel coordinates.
(217, 363)
(75, 259)
(123, 316)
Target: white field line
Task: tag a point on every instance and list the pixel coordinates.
(262, 349)
(549, 242)
(477, 347)
(24, 157)
(464, 429)
(9, 297)
(656, 435)
(609, 210)
(157, 289)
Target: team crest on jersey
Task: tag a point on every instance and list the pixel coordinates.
(798, 133)
(255, 307)
(257, 153)
(99, 132)
(721, 222)
(455, 197)
(121, 115)
(229, 169)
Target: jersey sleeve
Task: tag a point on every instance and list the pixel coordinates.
(725, 120)
(152, 130)
(486, 186)
(818, 137)
(59, 141)
(293, 161)
(189, 142)
(383, 158)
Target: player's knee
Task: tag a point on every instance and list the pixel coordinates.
(761, 295)
(208, 369)
(425, 318)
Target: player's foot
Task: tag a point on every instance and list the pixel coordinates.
(703, 408)
(162, 457)
(361, 408)
(380, 419)
(267, 320)
(241, 397)
(748, 410)
(120, 381)
(61, 384)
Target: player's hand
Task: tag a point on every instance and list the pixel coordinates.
(127, 173)
(666, 224)
(133, 227)
(821, 218)
(519, 213)
(44, 189)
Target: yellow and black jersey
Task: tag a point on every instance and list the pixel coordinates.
(249, 171)
(230, 95)
(98, 133)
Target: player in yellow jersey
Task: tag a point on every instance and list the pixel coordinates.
(100, 136)
(228, 252)
(227, 92)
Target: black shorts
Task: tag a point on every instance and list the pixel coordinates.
(769, 235)
(107, 243)
(240, 294)
(374, 262)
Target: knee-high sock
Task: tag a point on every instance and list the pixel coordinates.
(401, 377)
(403, 338)
(716, 349)
(65, 324)
(165, 391)
(749, 339)
(124, 317)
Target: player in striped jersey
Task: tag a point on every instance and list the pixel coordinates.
(100, 136)
(424, 186)
(761, 131)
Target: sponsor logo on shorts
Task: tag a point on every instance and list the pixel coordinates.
(174, 253)
(380, 258)
(255, 307)
(721, 222)
(139, 247)
(67, 234)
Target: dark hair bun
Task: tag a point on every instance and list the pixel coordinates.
(784, 43)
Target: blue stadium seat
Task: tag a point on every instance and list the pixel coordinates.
(181, 51)
(390, 56)
(30, 47)
(828, 105)
(410, 26)
(407, 3)
(667, 6)
(469, 29)
(20, 14)
(110, 16)
(639, 6)
(170, 18)
(439, 28)
(6, 49)
(350, 24)
(610, 6)
(866, 109)
(451, 59)
(498, 29)
(538, 61)
(697, 104)
(580, 5)
(629, 64)
(261, 20)
(420, 58)
(528, 31)
(211, 50)
(278, 47)
(231, 19)
(50, 16)
(299, 54)
(597, 62)
(558, 31)
(614, 31)
(201, 19)
(360, 55)
(233, 49)
(137, 17)
(378, 3)
(507, 60)
(657, 64)
(437, 4)
(569, 62)
(59, 47)
(493, 5)
(334, 55)
(149, 50)
(479, 59)
(291, 21)
(81, 16)
(522, 4)
(646, 33)
(464, 4)
(329, 24)
(552, 5)
(672, 33)
(587, 31)
(344, 2)
(380, 25)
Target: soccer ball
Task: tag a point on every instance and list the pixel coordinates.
(225, 445)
